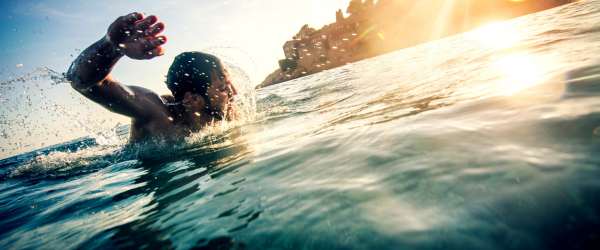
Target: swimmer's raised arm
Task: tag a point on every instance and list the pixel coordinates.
(133, 36)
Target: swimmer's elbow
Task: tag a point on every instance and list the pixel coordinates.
(74, 77)
(78, 80)
(78, 84)
(71, 75)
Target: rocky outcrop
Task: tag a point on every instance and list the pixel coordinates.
(373, 28)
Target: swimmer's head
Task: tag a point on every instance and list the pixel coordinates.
(191, 72)
(196, 77)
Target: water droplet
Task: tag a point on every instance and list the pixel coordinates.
(186, 74)
(170, 118)
(121, 45)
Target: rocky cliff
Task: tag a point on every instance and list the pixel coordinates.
(373, 28)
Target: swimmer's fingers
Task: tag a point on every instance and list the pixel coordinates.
(153, 42)
(158, 51)
(152, 47)
(132, 18)
(146, 23)
(123, 26)
(155, 29)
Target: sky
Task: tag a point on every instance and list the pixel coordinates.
(50, 33)
(247, 33)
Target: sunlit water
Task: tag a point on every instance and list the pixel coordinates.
(486, 140)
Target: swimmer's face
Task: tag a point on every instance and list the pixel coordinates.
(220, 96)
(193, 103)
(220, 92)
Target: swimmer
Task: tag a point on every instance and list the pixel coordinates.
(201, 90)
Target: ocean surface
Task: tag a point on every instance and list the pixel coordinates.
(484, 140)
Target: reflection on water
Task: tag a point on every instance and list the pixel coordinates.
(520, 71)
(446, 145)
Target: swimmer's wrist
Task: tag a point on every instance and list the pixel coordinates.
(115, 49)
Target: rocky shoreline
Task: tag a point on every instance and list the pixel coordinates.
(374, 28)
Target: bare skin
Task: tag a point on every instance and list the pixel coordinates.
(153, 116)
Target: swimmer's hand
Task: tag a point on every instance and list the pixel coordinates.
(136, 36)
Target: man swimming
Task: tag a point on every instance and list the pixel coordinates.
(201, 89)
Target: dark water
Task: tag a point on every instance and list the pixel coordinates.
(486, 140)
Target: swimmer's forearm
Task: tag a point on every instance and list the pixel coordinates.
(94, 64)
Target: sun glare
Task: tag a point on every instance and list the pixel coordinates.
(519, 72)
(496, 35)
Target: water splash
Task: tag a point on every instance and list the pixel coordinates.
(40, 109)
(67, 164)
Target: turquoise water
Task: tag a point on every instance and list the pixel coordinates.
(485, 140)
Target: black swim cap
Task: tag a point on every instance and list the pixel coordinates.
(190, 72)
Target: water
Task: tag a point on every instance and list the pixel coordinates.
(471, 142)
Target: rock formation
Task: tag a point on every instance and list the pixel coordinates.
(373, 28)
